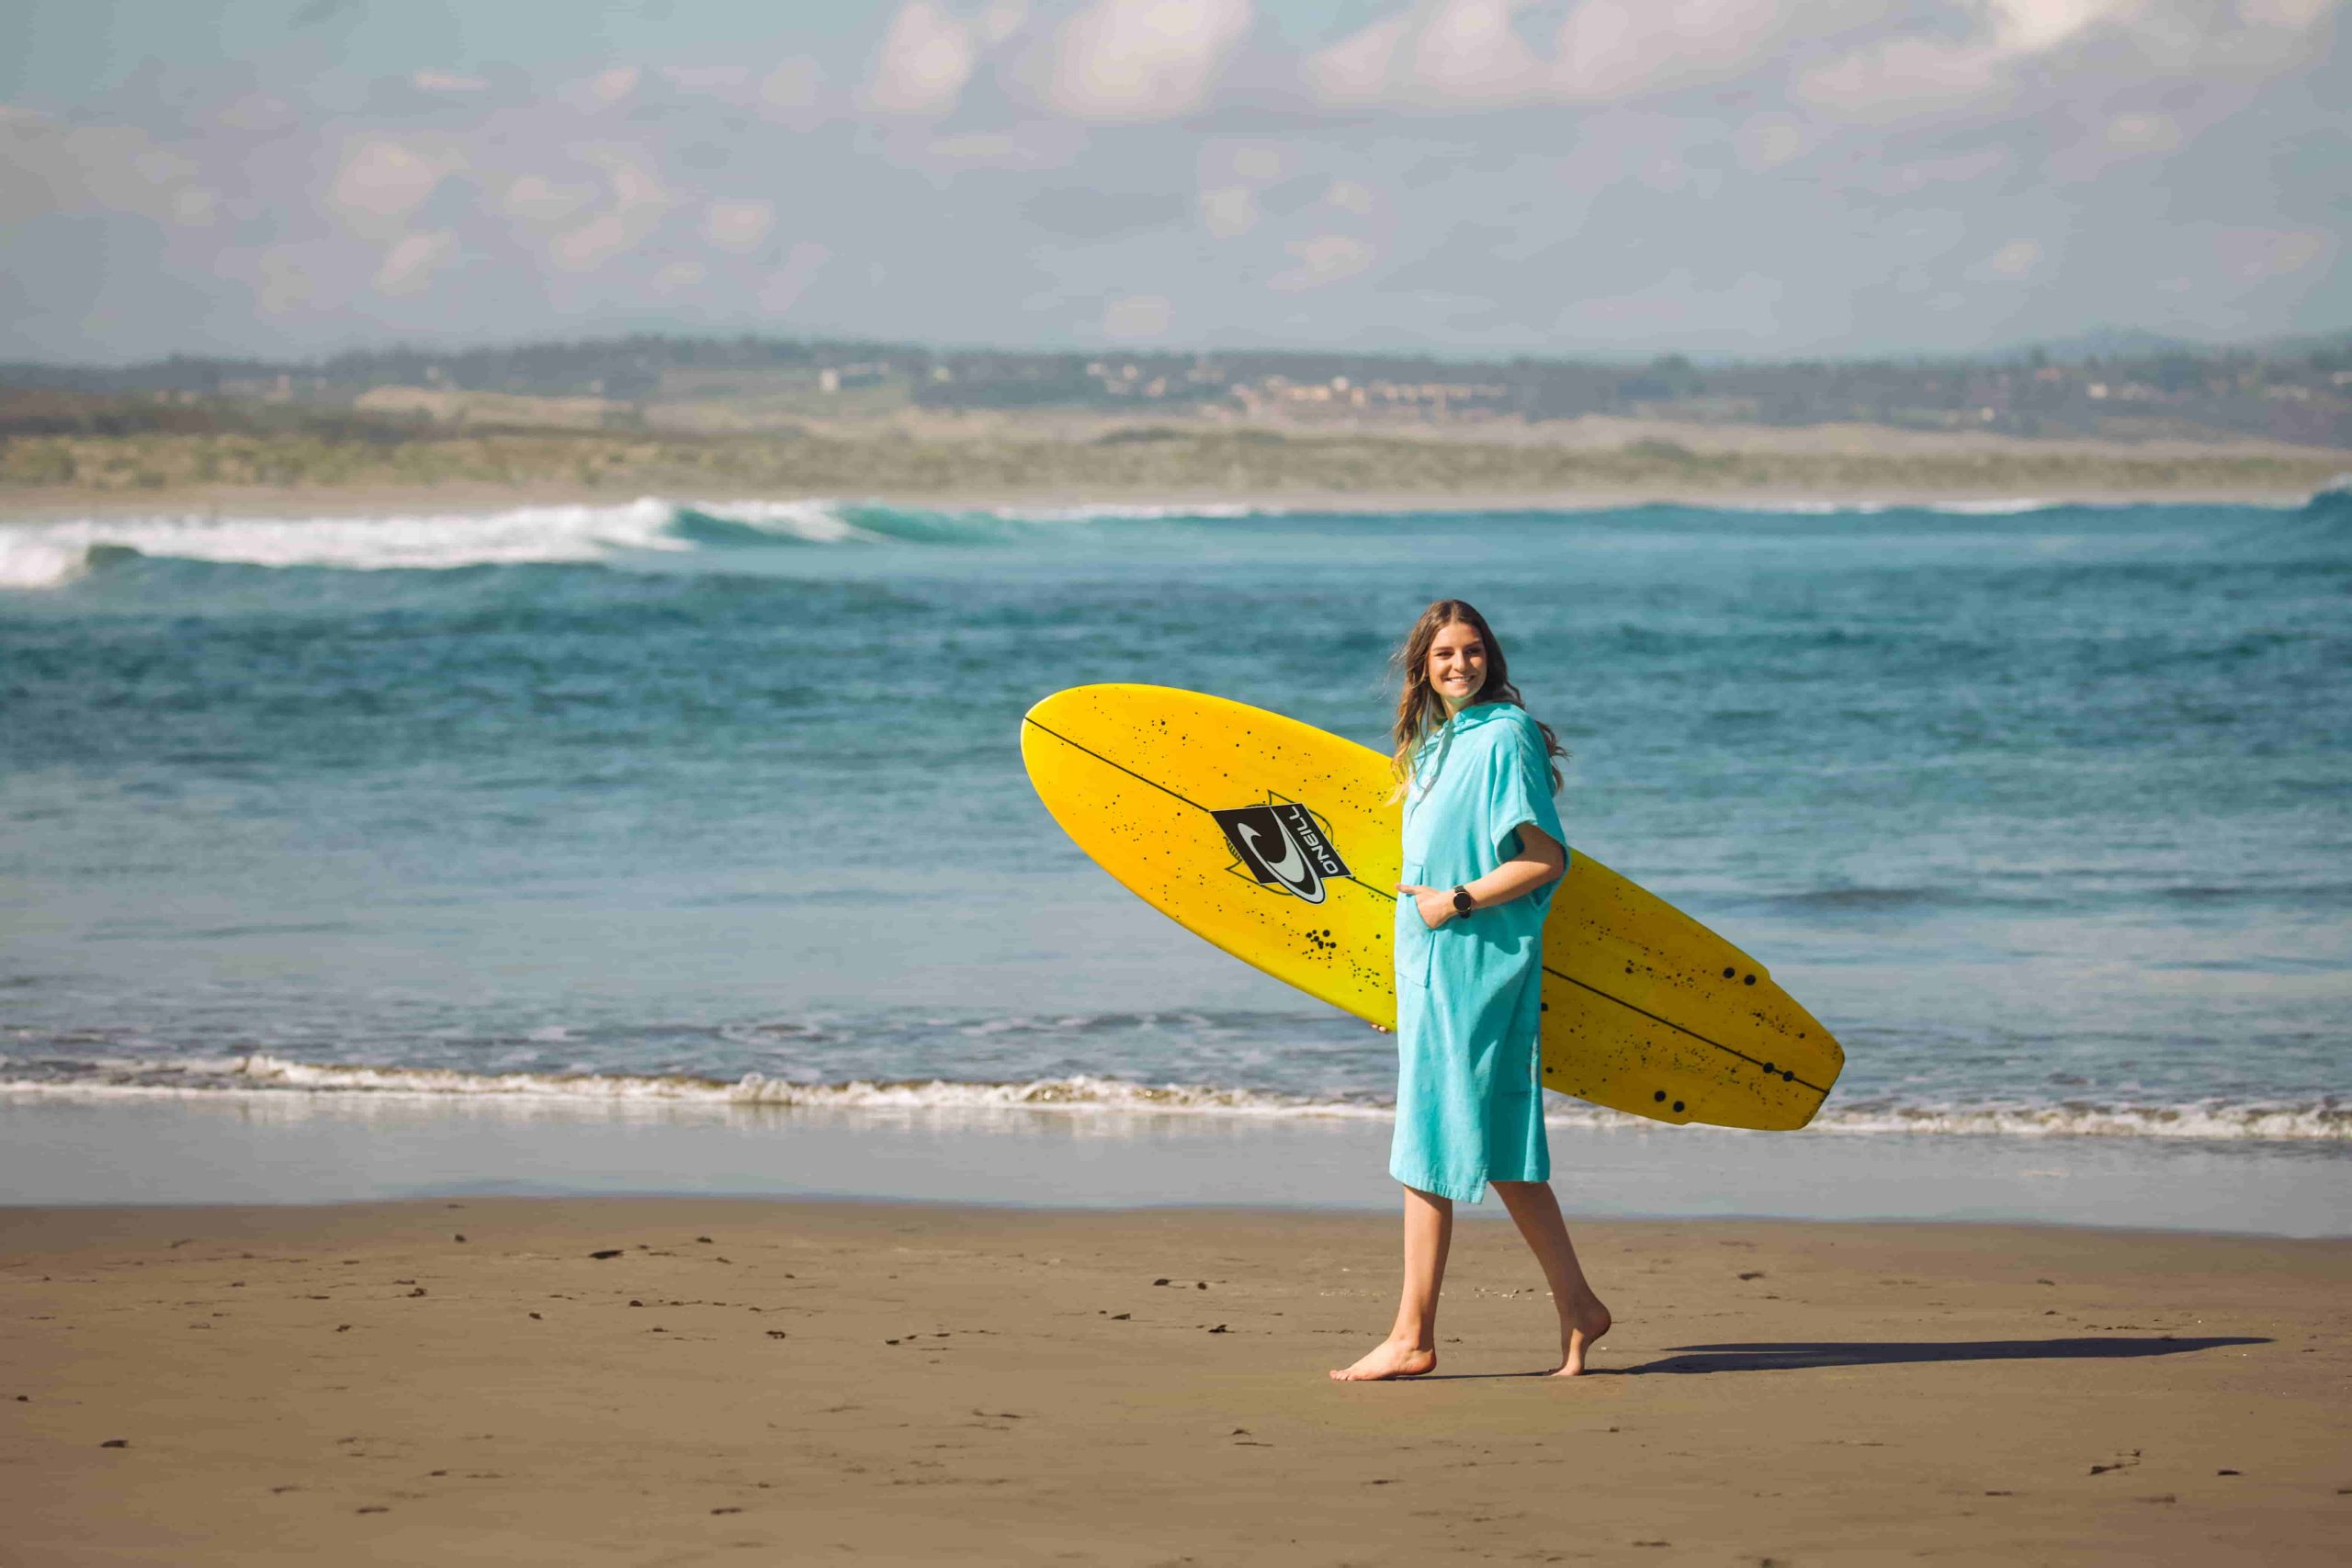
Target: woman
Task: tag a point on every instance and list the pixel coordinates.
(1482, 850)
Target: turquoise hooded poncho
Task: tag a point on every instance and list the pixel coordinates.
(1469, 1004)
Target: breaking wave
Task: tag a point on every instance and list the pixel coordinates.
(36, 556)
(2325, 1121)
(48, 555)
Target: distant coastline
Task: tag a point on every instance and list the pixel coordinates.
(995, 462)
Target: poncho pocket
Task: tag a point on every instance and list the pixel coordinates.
(1413, 938)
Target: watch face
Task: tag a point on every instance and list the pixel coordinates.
(1463, 902)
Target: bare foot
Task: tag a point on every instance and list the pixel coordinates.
(1389, 1358)
(1585, 1326)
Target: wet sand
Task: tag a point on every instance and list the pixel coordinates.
(468, 1381)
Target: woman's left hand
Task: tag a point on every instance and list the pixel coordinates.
(1435, 904)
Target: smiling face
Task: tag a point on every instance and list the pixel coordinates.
(1457, 665)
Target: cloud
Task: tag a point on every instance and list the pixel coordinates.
(793, 92)
(2029, 26)
(261, 113)
(2254, 255)
(284, 284)
(1257, 162)
(410, 265)
(1000, 20)
(2283, 13)
(1229, 211)
(677, 277)
(1618, 49)
(2013, 262)
(783, 287)
(1326, 258)
(606, 88)
(2142, 133)
(1143, 60)
(1084, 213)
(593, 244)
(1028, 147)
(737, 225)
(1906, 75)
(721, 80)
(381, 182)
(1957, 168)
(534, 198)
(2103, 132)
(1438, 51)
(1476, 53)
(638, 203)
(192, 207)
(1679, 305)
(1766, 142)
(926, 58)
(1470, 49)
(1131, 318)
(48, 166)
(1358, 68)
(793, 83)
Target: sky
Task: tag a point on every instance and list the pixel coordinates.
(1756, 178)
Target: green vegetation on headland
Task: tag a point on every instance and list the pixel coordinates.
(735, 416)
(2107, 385)
(128, 446)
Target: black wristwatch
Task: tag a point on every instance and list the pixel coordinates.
(1463, 902)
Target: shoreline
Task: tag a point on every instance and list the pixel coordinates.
(285, 1150)
(625, 1380)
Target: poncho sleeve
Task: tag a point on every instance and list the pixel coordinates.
(1519, 787)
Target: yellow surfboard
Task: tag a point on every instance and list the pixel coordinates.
(1274, 840)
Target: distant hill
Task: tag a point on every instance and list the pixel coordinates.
(2109, 382)
(2107, 343)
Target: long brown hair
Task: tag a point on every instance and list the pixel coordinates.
(1421, 710)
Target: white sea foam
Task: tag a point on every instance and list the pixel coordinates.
(49, 555)
(1132, 511)
(262, 1074)
(2299, 1123)
(36, 556)
(2006, 506)
(43, 554)
(31, 558)
(2002, 508)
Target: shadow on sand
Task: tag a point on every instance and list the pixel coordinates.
(1896, 1352)
(1797, 1355)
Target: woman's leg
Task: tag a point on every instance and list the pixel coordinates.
(1582, 1317)
(1410, 1348)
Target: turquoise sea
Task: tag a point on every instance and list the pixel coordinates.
(2045, 810)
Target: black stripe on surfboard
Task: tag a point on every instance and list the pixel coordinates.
(1756, 1062)
(1120, 766)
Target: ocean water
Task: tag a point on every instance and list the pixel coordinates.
(2046, 810)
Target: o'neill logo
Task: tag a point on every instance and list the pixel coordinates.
(1282, 845)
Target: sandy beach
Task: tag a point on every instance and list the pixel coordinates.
(687, 1380)
(1051, 461)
